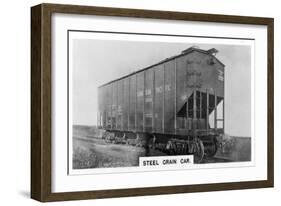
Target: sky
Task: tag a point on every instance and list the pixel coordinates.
(96, 62)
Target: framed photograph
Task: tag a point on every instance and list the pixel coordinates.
(132, 102)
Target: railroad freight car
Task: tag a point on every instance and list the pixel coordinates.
(177, 104)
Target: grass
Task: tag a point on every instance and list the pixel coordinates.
(238, 149)
(91, 154)
(83, 159)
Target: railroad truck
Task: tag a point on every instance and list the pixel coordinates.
(177, 104)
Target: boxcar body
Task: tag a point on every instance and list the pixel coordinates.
(179, 97)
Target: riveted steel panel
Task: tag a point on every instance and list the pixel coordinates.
(133, 98)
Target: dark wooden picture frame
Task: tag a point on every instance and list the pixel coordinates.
(41, 117)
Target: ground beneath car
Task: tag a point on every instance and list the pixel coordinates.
(91, 151)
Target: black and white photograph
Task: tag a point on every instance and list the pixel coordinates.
(173, 104)
(129, 102)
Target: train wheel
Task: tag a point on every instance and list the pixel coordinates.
(211, 149)
(198, 150)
